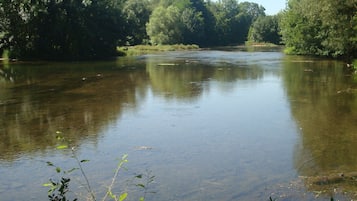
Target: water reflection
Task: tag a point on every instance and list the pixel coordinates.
(217, 116)
(75, 99)
(186, 75)
(79, 99)
(324, 104)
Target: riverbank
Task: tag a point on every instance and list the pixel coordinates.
(259, 44)
(143, 49)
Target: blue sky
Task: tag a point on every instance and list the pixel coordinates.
(272, 7)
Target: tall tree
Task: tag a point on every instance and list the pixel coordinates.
(193, 26)
(66, 29)
(136, 13)
(325, 27)
(181, 22)
(233, 20)
(265, 29)
(164, 26)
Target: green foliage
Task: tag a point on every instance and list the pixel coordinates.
(354, 64)
(265, 29)
(203, 23)
(164, 26)
(233, 20)
(58, 190)
(76, 30)
(136, 14)
(149, 179)
(325, 28)
(60, 30)
(144, 49)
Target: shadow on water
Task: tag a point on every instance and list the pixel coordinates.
(38, 99)
(323, 99)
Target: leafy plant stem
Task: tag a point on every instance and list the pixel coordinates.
(120, 164)
(88, 186)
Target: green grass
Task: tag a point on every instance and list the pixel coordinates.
(260, 44)
(144, 49)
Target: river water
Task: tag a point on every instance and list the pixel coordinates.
(205, 125)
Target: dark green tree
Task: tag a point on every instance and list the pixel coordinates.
(61, 30)
(265, 29)
(233, 20)
(137, 13)
(193, 26)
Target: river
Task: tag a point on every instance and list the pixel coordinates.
(204, 125)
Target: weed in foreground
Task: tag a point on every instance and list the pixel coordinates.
(59, 188)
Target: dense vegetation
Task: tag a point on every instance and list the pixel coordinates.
(73, 29)
(265, 29)
(87, 29)
(321, 27)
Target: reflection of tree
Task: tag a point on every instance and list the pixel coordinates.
(233, 73)
(185, 79)
(6, 74)
(78, 99)
(325, 108)
(177, 80)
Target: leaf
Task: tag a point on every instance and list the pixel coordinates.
(62, 147)
(58, 169)
(83, 161)
(49, 163)
(141, 185)
(123, 196)
(114, 197)
(71, 170)
(151, 179)
(124, 158)
(139, 176)
(47, 185)
(141, 199)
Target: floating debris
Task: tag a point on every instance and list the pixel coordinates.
(142, 148)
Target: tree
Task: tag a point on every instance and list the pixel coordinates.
(164, 26)
(249, 13)
(180, 22)
(193, 23)
(225, 12)
(325, 28)
(265, 29)
(136, 13)
(66, 29)
(233, 20)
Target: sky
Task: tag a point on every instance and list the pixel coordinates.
(272, 7)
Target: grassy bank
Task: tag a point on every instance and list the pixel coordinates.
(144, 49)
(259, 44)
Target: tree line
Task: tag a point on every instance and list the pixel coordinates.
(84, 29)
(320, 27)
(88, 29)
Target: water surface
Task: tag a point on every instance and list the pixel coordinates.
(209, 125)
